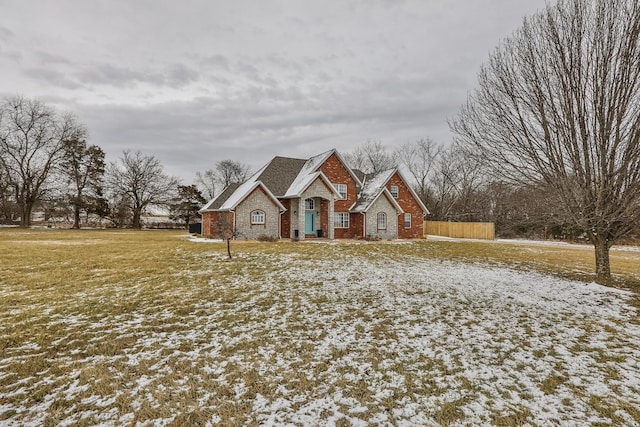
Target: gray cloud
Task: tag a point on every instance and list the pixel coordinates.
(6, 34)
(199, 82)
(47, 58)
(52, 77)
(173, 75)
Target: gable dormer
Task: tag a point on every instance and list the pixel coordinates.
(334, 167)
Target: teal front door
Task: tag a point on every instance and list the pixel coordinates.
(309, 226)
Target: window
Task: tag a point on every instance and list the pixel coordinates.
(342, 189)
(309, 204)
(382, 221)
(341, 219)
(257, 217)
(407, 220)
(394, 191)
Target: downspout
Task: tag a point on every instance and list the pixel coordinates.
(364, 225)
(234, 230)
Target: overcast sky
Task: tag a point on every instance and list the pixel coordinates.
(194, 82)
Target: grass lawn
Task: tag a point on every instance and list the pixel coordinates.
(150, 328)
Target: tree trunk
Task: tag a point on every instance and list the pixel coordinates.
(136, 219)
(229, 247)
(76, 217)
(25, 215)
(603, 268)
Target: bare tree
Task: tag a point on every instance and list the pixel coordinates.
(207, 182)
(83, 166)
(370, 157)
(225, 172)
(230, 172)
(139, 181)
(31, 143)
(8, 208)
(443, 187)
(419, 159)
(558, 103)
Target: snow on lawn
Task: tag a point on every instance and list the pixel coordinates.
(290, 339)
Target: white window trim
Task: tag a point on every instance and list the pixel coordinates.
(338, 190)
(383, 216)
(312, 204)
(407, 215)
(397, 192)
(256, 212)
(344, 222)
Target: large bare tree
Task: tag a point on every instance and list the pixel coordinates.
(370, 157)
(139, 181)
(225, 172)
(83, 167)
(230, 172)
(420, 159)
(558, 103)
(31, 143)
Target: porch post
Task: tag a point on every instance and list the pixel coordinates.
(301, 217)
(330, 219)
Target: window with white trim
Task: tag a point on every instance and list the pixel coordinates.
(382, 221)
(394, 191)
(342, 189)
(407, 220)
(257, 217)
(341, 219)
(309, 204)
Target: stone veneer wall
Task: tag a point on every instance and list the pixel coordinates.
(257, 200)
(382, 205)
(316, 190)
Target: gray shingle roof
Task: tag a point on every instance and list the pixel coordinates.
(361, 175)
(280, 173)
(222, 197)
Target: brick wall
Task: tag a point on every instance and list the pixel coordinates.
(217, 225)
(409, 204)
(338, 174)
(285, 219)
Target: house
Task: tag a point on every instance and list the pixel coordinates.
(316, 197)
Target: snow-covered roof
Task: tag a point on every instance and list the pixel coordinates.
(303, 181)
(372, 189)
(376, 183)
(241, 193)
(288, 177)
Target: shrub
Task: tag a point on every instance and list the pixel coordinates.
(266, 238)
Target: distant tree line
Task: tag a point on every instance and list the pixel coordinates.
(457, 185)
(47, 165)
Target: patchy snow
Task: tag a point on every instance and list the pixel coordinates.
(197, 239)
(271, 339)
(528, 242)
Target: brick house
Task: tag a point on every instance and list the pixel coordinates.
(316, 197)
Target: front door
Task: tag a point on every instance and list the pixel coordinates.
(309, 222)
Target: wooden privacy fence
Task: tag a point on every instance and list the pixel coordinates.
(464, 230)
